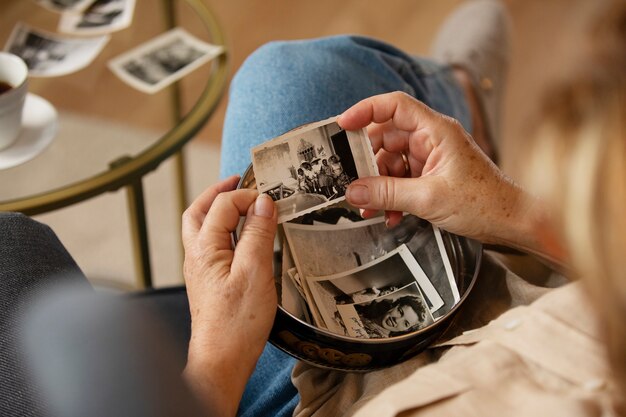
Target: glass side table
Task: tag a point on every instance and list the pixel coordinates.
(95, 92)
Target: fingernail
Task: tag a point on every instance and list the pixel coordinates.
(264, 206)
(358, 194)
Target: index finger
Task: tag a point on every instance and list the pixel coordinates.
(197, 211)
(224, 215)
(406, 112)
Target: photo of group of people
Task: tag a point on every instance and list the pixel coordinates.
(324, 176)
(310, 167)
(359, 278)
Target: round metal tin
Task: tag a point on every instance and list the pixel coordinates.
(323, 348)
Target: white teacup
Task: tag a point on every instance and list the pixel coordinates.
(14, 72)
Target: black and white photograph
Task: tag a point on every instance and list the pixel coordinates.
(62, 6)
(163, 60)
(324, 249)
(51, 55)
(310, 167)
(102, 16)
(370, 281)
(292, 300)
(393, 314)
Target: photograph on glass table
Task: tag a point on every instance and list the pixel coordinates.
(163, 60)
(369, 282)
(51, 55)
(61, 6)
(310, 167)
(102, 16)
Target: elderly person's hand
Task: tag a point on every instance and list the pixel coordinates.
(432, 168)
(232, 296)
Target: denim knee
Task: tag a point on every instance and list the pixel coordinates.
(286, 84)
(333, 72)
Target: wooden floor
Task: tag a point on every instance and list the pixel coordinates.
(543, 36)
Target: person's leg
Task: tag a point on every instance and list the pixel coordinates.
(269, 391)
(286, 84)
(67, 350)
(31, 259)
(95, 354)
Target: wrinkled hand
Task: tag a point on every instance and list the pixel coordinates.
(432, 168)
(232, 296)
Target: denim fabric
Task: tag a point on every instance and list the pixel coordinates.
(286, 84)
(269, 391)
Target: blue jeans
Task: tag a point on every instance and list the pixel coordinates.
(286, 84)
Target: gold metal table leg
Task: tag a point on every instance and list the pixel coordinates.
(181, 188)
(181, 182)
(139, 234)
(176, 108)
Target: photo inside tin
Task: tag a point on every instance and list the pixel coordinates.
(335, 270)
(362, 279)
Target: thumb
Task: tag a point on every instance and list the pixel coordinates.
(255, 248)
(412, 195)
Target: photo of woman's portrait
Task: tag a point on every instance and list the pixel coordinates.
(394, 314)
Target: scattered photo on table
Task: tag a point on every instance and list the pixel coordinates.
(163, 60)
(65, 5)
(310, 167)
(102, 16)
(394, 314)
(51, 55)
(325, 249)
(370, 281)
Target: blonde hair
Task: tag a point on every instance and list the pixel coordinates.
(578, 165)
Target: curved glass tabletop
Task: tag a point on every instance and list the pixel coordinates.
(109, 133)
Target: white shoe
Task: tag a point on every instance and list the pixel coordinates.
(476, 37)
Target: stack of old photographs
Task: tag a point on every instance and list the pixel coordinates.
(352, 276)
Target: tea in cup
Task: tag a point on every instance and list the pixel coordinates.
(13, 89)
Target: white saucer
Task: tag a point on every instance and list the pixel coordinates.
(39, 127)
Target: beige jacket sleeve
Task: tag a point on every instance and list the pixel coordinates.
(544, 358)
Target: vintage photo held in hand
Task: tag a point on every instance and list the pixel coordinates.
(163, 60)
(310, 167)
(51, 55)
(325, 249)
(101, 16)
(386, 274)
(392, 314)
